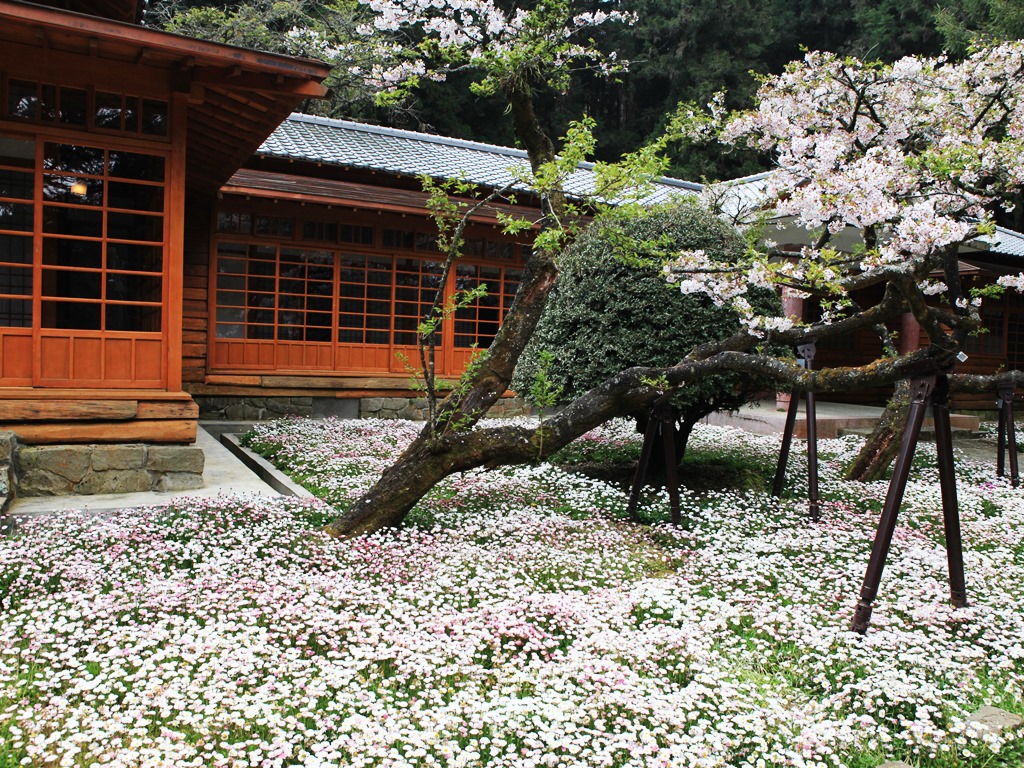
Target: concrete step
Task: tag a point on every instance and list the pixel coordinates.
(927, 433)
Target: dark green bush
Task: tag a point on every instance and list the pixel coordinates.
(613, 309)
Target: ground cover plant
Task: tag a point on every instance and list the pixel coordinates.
(515, 620)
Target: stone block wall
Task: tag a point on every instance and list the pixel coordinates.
(415, 408)
(8, 481)
(252, 408)
(60, 470)
(262, 408)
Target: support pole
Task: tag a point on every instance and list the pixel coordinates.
(806, 351)
(1008, 427)
(787, 442)
(640, 478)
(947, 484)
(667, 426)
(1001, 438)
(920, 390)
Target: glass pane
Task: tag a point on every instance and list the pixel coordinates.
(154, 117)
(15, 313)
(122, 287)
(73, 315)
(135, 197)
(230, 299)
(74, 103)
(16, 249)
(72, 285)
(76, 221)
(131, 114)
(18, 153)
(225, 315)
(108, 111)
(319, 333)
(128, 317)
(131, 226)
(16, 281)
(48, 102)
(15, 183)
(230, 283)
(72, 253)
(22, 100)
(138, 258)
(16, 216)
(376, 337)
(259, 332)
(225, 331)
(132, 165)
(72, 158)
(232, 249)
(263, 284)
(71, 189)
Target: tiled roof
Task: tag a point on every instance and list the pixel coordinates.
(408, 153)
(1007, 241)
(748, 194)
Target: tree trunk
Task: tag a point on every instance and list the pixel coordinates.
(884, 442)
(438, 452)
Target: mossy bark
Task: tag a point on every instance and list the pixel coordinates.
(881, 447)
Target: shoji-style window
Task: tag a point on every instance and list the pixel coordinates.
(416, 283)
(17, 227)
(364, 307)
(82, 263)
(285, 299)
(85, 108)
(102, 239)
(477, 323)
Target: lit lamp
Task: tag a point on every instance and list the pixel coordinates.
(79, 188)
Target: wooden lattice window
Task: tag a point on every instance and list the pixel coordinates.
(85, 108)
(416, 283)
(477, 323)
(17, 225)
(305, 295)
(364, 305)
(102, 239)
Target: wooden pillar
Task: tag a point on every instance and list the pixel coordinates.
(910, 334)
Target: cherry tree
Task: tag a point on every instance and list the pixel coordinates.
(901, 163)
(909, 155)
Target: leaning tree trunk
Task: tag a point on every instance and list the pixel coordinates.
(438, 451)
(884, 442)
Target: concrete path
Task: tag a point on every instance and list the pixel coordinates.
(224, 474)
(764, 418)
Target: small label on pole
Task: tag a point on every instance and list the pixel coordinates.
(961, 356)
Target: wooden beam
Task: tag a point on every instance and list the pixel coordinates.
(244, 381)
(161, 431)
(27, 393)
(337, 382)
(175, 410)
(69, 410)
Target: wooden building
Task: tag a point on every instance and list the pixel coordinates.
(172, 236)
(323, 261)
(111, 136)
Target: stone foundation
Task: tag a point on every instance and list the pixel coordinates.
(247, 409)
(252, 408)
(415, 408)
(62, 470)
(8, 483)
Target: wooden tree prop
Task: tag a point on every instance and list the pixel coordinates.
(922, 390)
(805, 354)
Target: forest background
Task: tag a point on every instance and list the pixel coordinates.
(679, 51)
